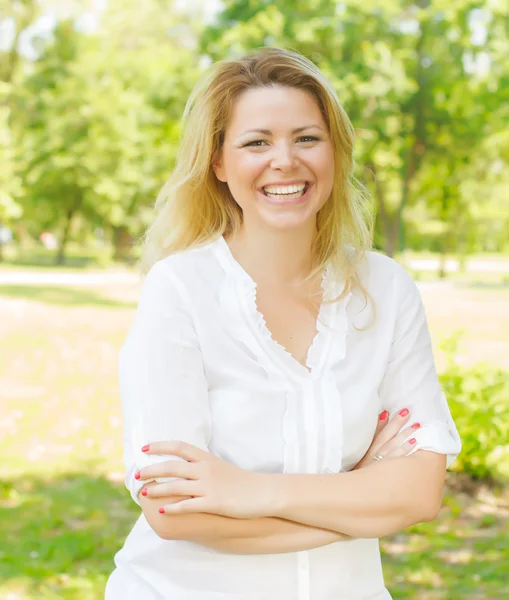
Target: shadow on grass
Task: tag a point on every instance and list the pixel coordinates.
(44, 259)
(463, 554)
(62, 296)
(59, 535)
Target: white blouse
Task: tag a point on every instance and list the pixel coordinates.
(200, 365)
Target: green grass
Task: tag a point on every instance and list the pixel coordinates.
(62, 296)
(41, 258)
(64, 511)
(463, 554)
(59, 534)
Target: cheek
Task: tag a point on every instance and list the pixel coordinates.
(325, 168)
(243, 168)
(250, 167)
(243, 174)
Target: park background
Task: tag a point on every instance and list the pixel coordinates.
(91, 95)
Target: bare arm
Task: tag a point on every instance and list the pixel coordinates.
(373, 502)
(265, 535)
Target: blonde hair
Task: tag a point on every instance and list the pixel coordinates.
(194, 207)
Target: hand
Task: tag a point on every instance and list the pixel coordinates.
(211, 484)
(387, 442)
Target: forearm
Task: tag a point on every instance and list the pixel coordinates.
(264, 535)
(272, 535)
(372, 502)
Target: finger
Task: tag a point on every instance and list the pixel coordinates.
(169, 468)
(383, 419)
(403, 449)
(398, 439)
(176, 448)
(180, 487)
(393, 427)
(195, 505)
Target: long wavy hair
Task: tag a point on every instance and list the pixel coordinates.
(194, 207)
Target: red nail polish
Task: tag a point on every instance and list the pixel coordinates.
(384, 415)
(146, 448)
(144, 492)
(412, 441)
(416, 426)
(137, 475)
(161, 510)
(404, 412)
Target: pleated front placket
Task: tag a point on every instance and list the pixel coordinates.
(309, 389)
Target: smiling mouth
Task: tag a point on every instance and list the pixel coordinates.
(287, 196)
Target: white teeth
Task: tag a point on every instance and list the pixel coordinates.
(290, 189)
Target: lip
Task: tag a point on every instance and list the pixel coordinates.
(281, 183)
(282, 202)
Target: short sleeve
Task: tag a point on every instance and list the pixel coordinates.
(410, 379)
(163, 387)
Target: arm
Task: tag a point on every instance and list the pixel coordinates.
(372, 502)
(245, 531)
(164, 395)
(265, 535)
(163, 387)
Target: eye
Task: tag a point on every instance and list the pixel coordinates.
(304, 138)
(309, 138)
(254, 143)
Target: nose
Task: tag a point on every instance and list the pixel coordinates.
(283, 157)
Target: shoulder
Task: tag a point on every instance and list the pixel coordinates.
(189, 260)
(190, 272)
(390, 287)
(381, 274)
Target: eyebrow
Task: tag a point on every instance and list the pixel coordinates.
(269, 132)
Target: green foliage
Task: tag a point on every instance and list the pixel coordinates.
(89, 128)
(479, 401)
(411, 78)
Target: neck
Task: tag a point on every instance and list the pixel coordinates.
(273, 257)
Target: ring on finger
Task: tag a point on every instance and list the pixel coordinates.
(378, 457)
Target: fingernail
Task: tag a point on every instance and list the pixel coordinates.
(404, 412)
(144, 492)
(161, 510)
(416, 426)
(137, 475)
(384, 415)
(412, 441)
(146, 448)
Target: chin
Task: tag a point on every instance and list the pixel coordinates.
(289, 222)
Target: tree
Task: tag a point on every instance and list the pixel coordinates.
(17, 16)
(100, 114)
(400, 69)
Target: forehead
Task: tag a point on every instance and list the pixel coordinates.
(274, 108)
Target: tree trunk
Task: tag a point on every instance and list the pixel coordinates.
(60, 258)
(392, 237)
(122, 242)
(388, 221)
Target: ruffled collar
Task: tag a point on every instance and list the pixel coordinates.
(331, 317)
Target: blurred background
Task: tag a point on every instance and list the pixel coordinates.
(91, 94)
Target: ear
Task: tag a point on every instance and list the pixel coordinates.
(217, 165)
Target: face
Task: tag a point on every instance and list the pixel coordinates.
(277, 158)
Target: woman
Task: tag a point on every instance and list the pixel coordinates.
(281, 405)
